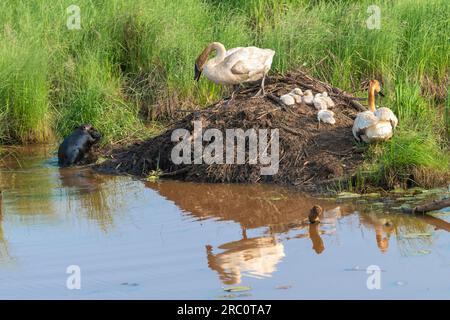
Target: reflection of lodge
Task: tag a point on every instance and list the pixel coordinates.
(252, 206)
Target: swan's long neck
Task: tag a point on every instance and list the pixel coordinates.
(220, 52)
(372, 98)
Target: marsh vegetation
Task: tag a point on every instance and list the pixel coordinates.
(130, 67)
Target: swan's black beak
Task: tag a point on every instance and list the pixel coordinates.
(381, 93)
(198, 73)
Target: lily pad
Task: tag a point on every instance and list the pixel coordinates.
(372, 195)
(237, 289)
(348, 195)
(436, 190)
(406, 199)
(377, 204)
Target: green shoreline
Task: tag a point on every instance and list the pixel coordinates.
(131, 65)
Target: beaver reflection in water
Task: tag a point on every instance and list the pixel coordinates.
(74, 147)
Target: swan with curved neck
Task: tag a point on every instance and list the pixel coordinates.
(234, 66)
(375, 124)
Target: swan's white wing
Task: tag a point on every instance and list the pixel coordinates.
(250, 60)
(363, 121)
(232, 51)
(386, 114)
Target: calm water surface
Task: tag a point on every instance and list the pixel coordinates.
(141, 240)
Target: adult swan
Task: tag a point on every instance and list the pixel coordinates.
(234, 66)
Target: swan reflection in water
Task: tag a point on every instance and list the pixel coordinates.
(254, 257)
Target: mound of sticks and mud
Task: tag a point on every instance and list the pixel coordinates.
(311, 155)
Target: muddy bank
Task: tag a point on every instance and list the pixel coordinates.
(311, 156)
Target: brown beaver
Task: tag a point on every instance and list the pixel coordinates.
(314, 214)
(74, 147)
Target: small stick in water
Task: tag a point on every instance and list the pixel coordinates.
(435, 205)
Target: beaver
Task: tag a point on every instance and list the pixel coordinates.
(74, 147)
(314, 214)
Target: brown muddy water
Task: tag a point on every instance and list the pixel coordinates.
(173, 240)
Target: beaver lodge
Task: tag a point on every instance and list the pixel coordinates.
(311, 156)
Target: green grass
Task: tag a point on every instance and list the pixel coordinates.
(132, 62)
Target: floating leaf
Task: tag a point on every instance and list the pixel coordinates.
(403, 206)
(406, 199)
(372, 195)
(377, 204)
(237, 289)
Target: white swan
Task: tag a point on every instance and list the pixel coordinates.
(234, 66)
(376, 124)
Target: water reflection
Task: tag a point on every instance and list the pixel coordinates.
(277, 212)
(35, 189)
(4, 255)
(282, 216)
(382, 226)
(255, 257)
(95, 196)
(37, 193)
